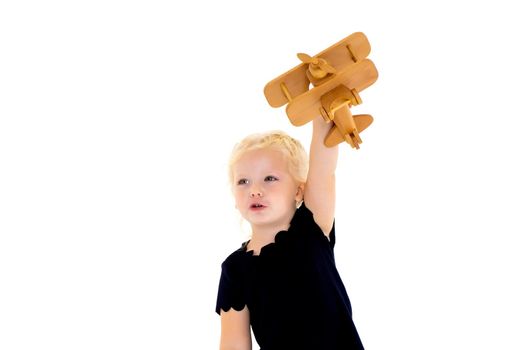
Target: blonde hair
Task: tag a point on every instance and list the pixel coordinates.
(291, 148)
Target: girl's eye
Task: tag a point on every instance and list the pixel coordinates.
(242, 182)
(270, 178)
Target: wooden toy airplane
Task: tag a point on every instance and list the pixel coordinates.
(337, 74)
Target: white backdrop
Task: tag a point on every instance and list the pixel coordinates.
(116, 122)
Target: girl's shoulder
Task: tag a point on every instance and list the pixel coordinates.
(236, 257)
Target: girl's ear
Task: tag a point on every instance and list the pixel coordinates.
(299, 195)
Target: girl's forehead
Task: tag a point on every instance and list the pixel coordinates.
(261, 159)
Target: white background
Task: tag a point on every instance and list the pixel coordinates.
(116, 122)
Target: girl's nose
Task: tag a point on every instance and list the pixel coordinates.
(257, 193)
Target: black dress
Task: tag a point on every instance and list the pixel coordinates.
(293, 291)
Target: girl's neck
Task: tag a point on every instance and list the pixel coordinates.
(262, 236)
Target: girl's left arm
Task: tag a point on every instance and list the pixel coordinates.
(319, 191)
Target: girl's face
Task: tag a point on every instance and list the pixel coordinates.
(265, 192)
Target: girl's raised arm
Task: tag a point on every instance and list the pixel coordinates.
(319, 192)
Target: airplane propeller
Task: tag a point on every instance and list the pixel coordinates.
(316, 64)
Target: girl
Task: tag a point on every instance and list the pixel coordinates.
(283, 282)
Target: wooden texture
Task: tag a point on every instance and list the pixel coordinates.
(342, 127)
(296, 81)
(305, 107)
(328, 84)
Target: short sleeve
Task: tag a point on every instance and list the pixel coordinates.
(332, 236)
(304, 220)
(231, 290)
